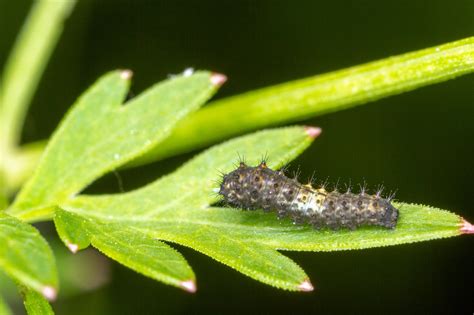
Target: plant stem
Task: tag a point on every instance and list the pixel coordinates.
(22, 166)
(23, 71)
(310, 97)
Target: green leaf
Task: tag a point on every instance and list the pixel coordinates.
(321, 94)
(26, 257)
(168, 201)
(4, 308)
(416, 223)
(137, 248)
(128, 246)
(98, 135)
(35, 303)
(246, 240)
(176, 208)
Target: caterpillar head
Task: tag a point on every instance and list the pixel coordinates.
(390, 216)
(235, 185)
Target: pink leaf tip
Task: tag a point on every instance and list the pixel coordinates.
(73, 247)
(466, 227)
(126, 74)
(313, 132)
(306, 286)
(49, 293)
(189, 286)
(218, 79)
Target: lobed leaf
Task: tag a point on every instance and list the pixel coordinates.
(35, 303)
(246, 241)
(176, 208)
(313, 96)
(170, 198)
(98, 135)
(112, 237)
(26, 257)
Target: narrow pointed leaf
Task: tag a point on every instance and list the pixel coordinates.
(127, 245)
(193, 183)
(138, 248)
(26, 257)
(417, 223)
(317, 95)
(99, 134)
(35, 303)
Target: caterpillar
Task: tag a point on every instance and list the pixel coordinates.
(260, 187)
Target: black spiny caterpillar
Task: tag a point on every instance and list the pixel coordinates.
(263, 188)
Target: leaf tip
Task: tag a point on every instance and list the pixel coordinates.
(217, 79)
(313, 132)
(49, 293)
(189, 286)
(126, 74)
(306, 286)
(72, 247)
(466, 227)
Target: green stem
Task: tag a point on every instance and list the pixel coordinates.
(27, 62)
(23, 71)
(315, 96)
(22, 166)
(302, 99)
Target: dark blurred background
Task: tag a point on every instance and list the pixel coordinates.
(419, 143)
